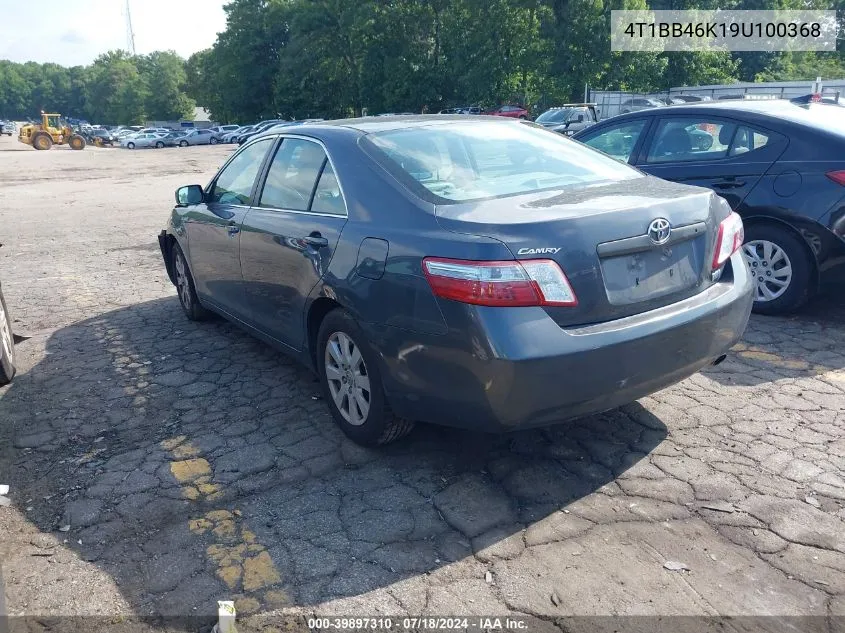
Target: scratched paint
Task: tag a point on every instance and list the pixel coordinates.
(242, 563)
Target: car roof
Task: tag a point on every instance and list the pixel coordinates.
(370, 125)
(781, 109)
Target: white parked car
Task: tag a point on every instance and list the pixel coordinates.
(143, 140)
(196, 137)
(219, 131)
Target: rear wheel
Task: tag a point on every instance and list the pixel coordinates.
(76, 142)
(159, 144)
(7, 345)
(213, 141)
(42, 141)
(130, 146)
(183, 143)
(185, 286)
(352, 383)
(781, 267)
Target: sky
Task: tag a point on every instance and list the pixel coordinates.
(75, 32)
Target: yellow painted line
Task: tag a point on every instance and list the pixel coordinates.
(241, 562)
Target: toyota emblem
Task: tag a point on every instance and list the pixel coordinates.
(659, 231)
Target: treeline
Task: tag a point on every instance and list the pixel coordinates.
(334, 58)
(116, 89)
(305, 58)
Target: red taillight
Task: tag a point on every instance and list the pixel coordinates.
(837, 176)
(729, 239)
(535, 282)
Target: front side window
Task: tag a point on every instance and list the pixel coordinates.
(690, 139)
(234, 183)
(292, 175)
(618, 140)
(469, 161)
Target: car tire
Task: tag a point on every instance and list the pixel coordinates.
(185, 287)
(130, 146)
(213, 141)
(7, 345)
(770, 251)
(159, 144)
(344, 357)
(183, 143)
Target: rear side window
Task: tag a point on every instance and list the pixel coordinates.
(327, 195)
(474, 160)
(747, 140)
(690, 139)
(234, 183)
(293, 174)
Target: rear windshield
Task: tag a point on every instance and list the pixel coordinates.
(468, 160)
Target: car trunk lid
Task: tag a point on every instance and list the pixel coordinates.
(599, 235)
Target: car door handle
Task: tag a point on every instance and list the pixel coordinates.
(315, 240)
(730, 183)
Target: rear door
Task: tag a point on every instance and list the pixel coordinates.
(214, 227)
(289, 237)
(723, 154)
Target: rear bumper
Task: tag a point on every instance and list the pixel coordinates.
(505, 369)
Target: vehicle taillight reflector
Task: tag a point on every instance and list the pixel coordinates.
(729, 239)
(837, 176)
(536, 282)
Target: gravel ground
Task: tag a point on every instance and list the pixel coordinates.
(157, 465)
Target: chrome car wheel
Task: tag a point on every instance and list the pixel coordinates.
(6, 342)
(771, 268)
(348, 378)
(182, 285)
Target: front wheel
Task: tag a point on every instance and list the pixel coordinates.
(352, 384)
(213, 141)
(7, 345)
(159, 145)
(183, 143)
(130, 146)
(781, 266)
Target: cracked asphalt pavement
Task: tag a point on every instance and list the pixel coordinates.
(157, 465)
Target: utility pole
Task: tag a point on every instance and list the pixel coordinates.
(130, 34)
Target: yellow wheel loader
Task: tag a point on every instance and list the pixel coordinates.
(51, 131)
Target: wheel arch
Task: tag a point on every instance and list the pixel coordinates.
(765, 220)
(317, 311)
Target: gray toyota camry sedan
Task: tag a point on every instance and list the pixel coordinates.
(468, 271)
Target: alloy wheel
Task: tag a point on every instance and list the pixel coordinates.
(348, 378)
(5, 334)
(182, 285)
(771, 268)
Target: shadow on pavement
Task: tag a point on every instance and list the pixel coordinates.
(801, 345)
(193, 463)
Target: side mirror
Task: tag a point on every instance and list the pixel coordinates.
(192, 194)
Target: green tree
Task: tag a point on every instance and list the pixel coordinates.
(118, 92)
(163, 72)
